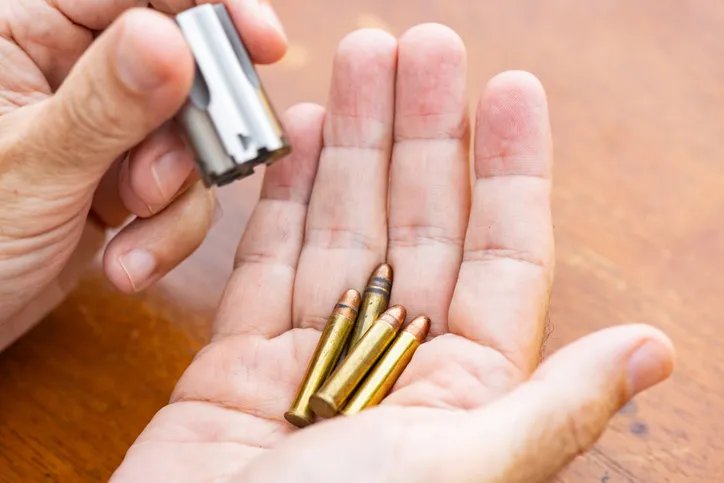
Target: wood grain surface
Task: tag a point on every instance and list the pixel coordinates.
(637, 101)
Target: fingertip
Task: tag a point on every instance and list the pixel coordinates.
(147, 249)
(267, 47)
(368, 44)
(361, 104)
(436, 39)
(513, 130)
(156, 172)
(651, 361)
(609, 350)
(431, 95)
(280, 36)
(433, 44)
(303, 125)
(646, 331)
(519, 81)
(260, 29)
(156, 45)
(119, 273)
(637, 334)
(514, 106)
(305, 111)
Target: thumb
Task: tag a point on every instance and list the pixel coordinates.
(133, 78)
(531, 434)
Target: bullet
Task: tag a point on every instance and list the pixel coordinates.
(375, 299)
(384, 375)
(330, 345)
(344, 380)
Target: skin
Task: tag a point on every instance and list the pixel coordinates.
(87, 142)
(474, 405)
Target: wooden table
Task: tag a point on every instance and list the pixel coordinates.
(637, 101)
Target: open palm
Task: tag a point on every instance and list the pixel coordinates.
(384, 175)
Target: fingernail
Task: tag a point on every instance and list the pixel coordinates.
(169, 173)
(270, 15)
(139, 266)
(649, 365)
(132, 69)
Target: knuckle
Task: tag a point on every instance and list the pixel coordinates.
(343, 238)
(419, 235)
(492, 254)
(93, 116)
(580, 432)
(270, 260)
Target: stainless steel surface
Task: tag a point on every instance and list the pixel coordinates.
(228, 119)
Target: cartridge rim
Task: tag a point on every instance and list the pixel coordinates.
(297, 419)
(323, 406)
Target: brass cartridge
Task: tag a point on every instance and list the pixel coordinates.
(384, 375)
(344, 380)
(333, 340)
(375, 300)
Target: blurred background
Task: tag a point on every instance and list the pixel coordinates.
(636, 93)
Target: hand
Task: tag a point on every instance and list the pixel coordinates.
(70, 111)
(472, 406)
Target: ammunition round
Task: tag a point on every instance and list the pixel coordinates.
(375, 300)
(384, 375)
(344, 380)
(330, 345)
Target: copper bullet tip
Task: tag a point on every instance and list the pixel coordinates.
(384, 271)
(351, 299)
(419, 327)
(380, 281)
(395, 316)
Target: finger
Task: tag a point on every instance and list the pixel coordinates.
(429, 175)
(257, 302)
(147, 249)
(75, 24)
(51, 40)
(156, 171)
(502, 293)
(532, 433)
(346, 232)
(107, 205)
(52, 34)
(256, 21)
(267, 257)
(132, 80)
(95, 14)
